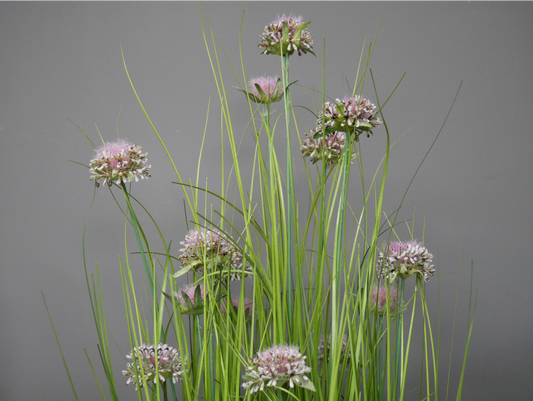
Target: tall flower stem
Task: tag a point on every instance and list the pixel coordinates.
(288, 228)
(399, 334)
(134, 223)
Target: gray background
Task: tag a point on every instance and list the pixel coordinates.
(62, 61)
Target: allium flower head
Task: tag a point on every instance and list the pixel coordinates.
(265, 89)
(324, 347)
(381, 296)
(329, 149)
(353, 115)
(276, 366)
(211, 249)
(404, 259)
(169, 361)
(190, 298)
(118, 162)
(235, 304)
(286, 34)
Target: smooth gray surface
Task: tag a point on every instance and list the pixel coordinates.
(62, 61)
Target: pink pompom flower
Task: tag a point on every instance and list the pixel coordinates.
(276, 366)
(118, 162)
(404, 259)
(265, 89)
(286, 34)
(381, 296)
(170, 365)
(206, 248)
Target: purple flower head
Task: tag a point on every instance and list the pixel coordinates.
(286, 34)
(212, 248)
(381, 296)
(277, 366)
(404, 259)
(169, 365)
(265, 89)
(118, 162)
(324, 348)
(353, 115)
(329, 149)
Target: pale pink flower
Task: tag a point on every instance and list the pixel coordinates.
(118, 162)
(270, 86)
(170, 365)
(380, 297)
(297, 38)
(276, 366)
(404, 259)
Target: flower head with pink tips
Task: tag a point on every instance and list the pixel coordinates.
(118, 163)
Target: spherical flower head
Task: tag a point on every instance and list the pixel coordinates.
(404, 259)
(265, 89)
(381, 296)
(353, 115)
(329, 149)
(191, 298)
(211, 248)
(235, 304)
(118, 162)
(285, 35)
(169, 365)
(277, 366)
(324, 348)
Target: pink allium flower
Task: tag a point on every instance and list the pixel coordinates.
(330, 150)
(191, 298)
(323, 349)
(270, 88)
(380, 297)
(170, 365)
(276, 366)
(297, 37)
(236, 304)
(118, 162)
(212, 248)
(353, 115)
(404, 259)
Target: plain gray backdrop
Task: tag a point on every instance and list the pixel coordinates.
(62, 61)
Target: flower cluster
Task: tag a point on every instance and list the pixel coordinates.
(170, 365)
(286, 35)
(276, 366)
(330, 149)
(381, 296)
(210, 249)
(353, 114)
(118, 162)
(323, 350)
(404, 259)
(190, 298)
(265, 89)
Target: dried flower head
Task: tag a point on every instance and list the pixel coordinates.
(286, 34)
(190, 298)
(265, 89)
(235, 304)
(276, 366)
(118, 162)
(404, 259)
(324, 347)
(353, 115)
(330, 149)
(381, 296)
(211, 249)
(170, 365)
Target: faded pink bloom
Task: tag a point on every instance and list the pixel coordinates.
(381, 295)
(118, 162)
(324, 346)
(298, 37)
(212, 248)
(330, 150)
(170, 365)
(276, 366)
(404, 259)
(189, 290)
(235, 303)
(272, 92)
